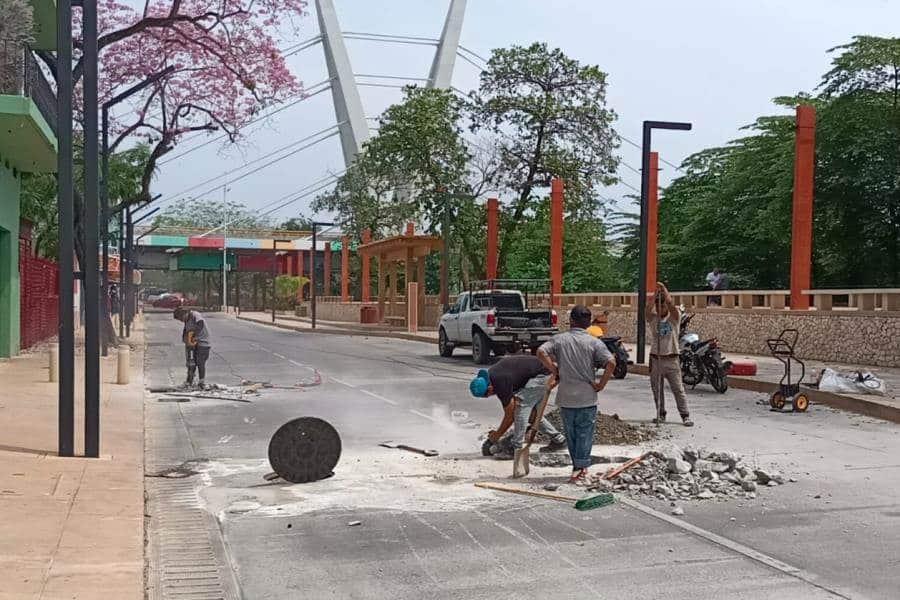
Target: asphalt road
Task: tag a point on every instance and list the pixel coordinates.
(426, 532)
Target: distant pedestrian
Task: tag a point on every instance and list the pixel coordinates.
(663, 323)
(715, 280)
(113, 300)
(573, 358)
(195, 336)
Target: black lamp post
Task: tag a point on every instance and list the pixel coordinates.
(649, 126)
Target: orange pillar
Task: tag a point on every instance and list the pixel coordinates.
(345, 269)
(801, 223)
(556, 235)
(410, 229)
(326, 271)
(652, 227)
(366, 275)
(493, 209)
(299, 260)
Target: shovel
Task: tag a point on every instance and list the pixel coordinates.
(521, 459)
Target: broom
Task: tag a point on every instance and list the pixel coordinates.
(589, 503)
(522, 456)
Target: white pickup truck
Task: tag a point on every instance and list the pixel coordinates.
(494, 320)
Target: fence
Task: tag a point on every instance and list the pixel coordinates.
(22, 75)
(38, 298)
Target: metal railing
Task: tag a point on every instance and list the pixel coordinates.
(21, 75)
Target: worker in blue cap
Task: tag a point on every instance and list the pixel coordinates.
(519, 382)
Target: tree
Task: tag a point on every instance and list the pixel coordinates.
(732, 207)
(38, 199)
(549, 118)
(209, 214)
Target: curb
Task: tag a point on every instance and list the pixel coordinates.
(868, 408)
(853, 404)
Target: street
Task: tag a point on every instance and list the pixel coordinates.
(426, 532)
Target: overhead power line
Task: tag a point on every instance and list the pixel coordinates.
(389, 36)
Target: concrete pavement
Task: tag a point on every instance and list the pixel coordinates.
(71, 527)
(426, 532)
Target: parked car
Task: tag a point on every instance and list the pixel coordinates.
(495, 320)
(170, 301)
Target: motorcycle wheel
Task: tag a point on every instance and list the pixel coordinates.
(621, 369)
(719, 380)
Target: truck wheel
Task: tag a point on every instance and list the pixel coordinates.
(445, 348)
(481, 348)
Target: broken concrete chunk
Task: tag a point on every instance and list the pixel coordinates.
(762, 476)
(748, 486)
(720, 467)
(677, 511)
(702, 466)
(706, 495)
(676, 465)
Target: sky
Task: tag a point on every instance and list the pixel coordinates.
(714, 63)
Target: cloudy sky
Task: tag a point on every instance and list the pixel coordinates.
(715, 63)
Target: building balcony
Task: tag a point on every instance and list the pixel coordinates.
(28, 117)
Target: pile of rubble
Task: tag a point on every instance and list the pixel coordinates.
(612, 430)
(692, 473)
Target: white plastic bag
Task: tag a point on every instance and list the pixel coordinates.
(858, 382)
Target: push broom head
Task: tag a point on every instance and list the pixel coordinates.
(592, 502)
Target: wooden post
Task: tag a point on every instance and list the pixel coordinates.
(652, 212)
(412, 306)
(420, 278)
(366, 275)
(408, 277)
(345, 269)
(556, 235)
(381, 278)
(256, 291)
(801, 221)
(493, 232)
(326, 276)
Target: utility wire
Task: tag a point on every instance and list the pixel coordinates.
(266, 115)
(390, 36)
(372, 39)
(470, 61)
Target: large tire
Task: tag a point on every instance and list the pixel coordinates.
(445, 348)
(621, 369)
(481, 348)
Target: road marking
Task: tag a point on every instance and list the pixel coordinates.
(423, 415)
(275, 354)
(734, 546)
(296, 364)
(374, 395)
(225, 439)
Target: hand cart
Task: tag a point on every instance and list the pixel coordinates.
(788, 390)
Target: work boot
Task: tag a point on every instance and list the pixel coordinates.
(661, 418)
(201, 384)
(555, 445)
(686, 419)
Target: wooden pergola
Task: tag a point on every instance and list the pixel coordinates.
(412, 251)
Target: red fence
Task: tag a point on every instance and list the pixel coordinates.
(39, 298)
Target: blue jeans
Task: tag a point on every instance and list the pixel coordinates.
(579, 424)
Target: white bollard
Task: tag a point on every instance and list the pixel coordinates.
(124, 365)
(54, 363)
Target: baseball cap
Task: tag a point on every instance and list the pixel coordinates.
(480, 384)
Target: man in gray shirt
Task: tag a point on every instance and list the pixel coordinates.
(572, 358)
(195, 336)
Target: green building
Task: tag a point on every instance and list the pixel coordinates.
(27, 145)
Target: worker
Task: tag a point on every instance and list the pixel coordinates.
(663, 322)
(519, 381)
(599, 324)
(572, 358)
(195, 336)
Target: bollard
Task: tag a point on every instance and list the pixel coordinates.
(123, 365)
(54, 363)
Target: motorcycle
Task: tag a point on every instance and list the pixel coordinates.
(617, 348)
(701, 360)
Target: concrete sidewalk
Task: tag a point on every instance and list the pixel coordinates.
(71, 527)
(769, 369)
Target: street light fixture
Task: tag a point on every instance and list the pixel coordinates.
(649, 126)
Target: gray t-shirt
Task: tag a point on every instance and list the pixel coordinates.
(578, 355)
(197, 324)
(663, 334)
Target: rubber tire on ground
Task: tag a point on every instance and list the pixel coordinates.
(777, 401)
(719, 381)
(305, 449)
(621, 370)
(481, 348)
(801, 403)
(445, 348)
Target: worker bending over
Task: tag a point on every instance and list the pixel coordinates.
(519, 381)
(195, 336)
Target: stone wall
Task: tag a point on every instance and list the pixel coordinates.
(866, 338)
(349, 312)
